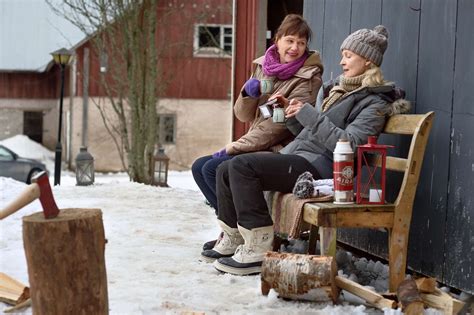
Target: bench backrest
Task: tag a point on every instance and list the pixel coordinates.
(419, 127)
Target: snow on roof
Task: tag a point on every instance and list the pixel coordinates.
(29, 32)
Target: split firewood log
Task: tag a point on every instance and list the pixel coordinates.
(18, 307)
(442, 301)
(12, 291)
(426, 285)
(409, 298)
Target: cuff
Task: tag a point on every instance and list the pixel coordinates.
(308, 115)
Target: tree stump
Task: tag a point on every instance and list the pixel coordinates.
(66, 265)
(300, 277)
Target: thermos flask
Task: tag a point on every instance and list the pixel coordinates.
(343, 172)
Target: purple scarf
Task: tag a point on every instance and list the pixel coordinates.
(283, 71)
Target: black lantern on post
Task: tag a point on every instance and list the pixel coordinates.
(84, 168)
(62, 57)
(159, 168)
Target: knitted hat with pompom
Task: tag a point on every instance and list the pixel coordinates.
(370, 44)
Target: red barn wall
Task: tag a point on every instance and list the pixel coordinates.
(188, 76)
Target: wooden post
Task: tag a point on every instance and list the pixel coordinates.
(66, 265)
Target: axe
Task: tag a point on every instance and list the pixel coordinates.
(39, 188)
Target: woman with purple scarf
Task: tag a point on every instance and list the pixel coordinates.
(288, 69)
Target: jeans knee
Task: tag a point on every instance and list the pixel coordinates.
(241, 164)
(198, 165)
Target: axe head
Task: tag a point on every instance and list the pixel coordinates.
(50, 209)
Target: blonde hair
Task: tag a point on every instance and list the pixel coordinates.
(373, 76)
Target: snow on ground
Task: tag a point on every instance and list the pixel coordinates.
(154, 238)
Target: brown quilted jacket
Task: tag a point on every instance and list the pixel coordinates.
(264, 135)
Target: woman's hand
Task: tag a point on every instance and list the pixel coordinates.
(283, 101)
(293, 108)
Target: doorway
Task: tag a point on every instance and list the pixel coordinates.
(276, 12)
(33, 125)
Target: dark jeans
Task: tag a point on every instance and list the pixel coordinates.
(204, 173)
(242, 181)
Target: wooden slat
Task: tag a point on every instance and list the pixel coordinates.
(322, 214)
(402, 124)
(349, 219)
(396, 164)
(364, 219)
(330, 207)
(392, 163)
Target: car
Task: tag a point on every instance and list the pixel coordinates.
(18, 168)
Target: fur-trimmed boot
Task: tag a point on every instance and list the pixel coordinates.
(225, 245)
(249, 256)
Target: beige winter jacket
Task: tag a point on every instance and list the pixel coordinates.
(264, 134)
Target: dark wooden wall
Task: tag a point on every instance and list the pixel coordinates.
(430, 55)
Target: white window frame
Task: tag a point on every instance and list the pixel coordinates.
(213, 52)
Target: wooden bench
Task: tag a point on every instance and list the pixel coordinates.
(325, 218)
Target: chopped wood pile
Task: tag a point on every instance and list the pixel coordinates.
(282, 272)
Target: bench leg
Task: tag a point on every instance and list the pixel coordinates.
(397, 257)
(327, 240)
(277, 241)
(313, 237)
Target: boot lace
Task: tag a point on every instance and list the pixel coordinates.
(243, 250)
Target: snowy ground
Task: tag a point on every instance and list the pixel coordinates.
(154, 237)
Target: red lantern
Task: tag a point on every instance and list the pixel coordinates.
(371, 172)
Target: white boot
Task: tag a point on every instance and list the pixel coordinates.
(249, 256)
(226, 245)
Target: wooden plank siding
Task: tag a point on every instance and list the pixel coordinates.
(32, 85)
(430, 56)
(434, 92)
(185, 75)
(459, 218)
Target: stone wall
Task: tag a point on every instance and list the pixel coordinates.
(202, 127)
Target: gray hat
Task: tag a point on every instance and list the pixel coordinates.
(370, 44)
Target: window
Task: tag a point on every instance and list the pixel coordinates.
(166, 128)
(212, 40)
(5, 155)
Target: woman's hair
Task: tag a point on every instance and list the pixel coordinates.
(293, 24)
(373, 76)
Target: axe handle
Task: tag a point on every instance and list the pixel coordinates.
(31, 193)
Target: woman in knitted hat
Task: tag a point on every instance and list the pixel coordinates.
(354, 107)
(287, 68)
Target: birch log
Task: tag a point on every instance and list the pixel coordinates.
(300, 277)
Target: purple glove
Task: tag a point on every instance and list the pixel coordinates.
(220, 154)
(252, 87)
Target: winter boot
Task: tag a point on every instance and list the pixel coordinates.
(249, 256)
(211, 244)
(225, 246)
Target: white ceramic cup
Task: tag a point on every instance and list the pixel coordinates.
(278, 115)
